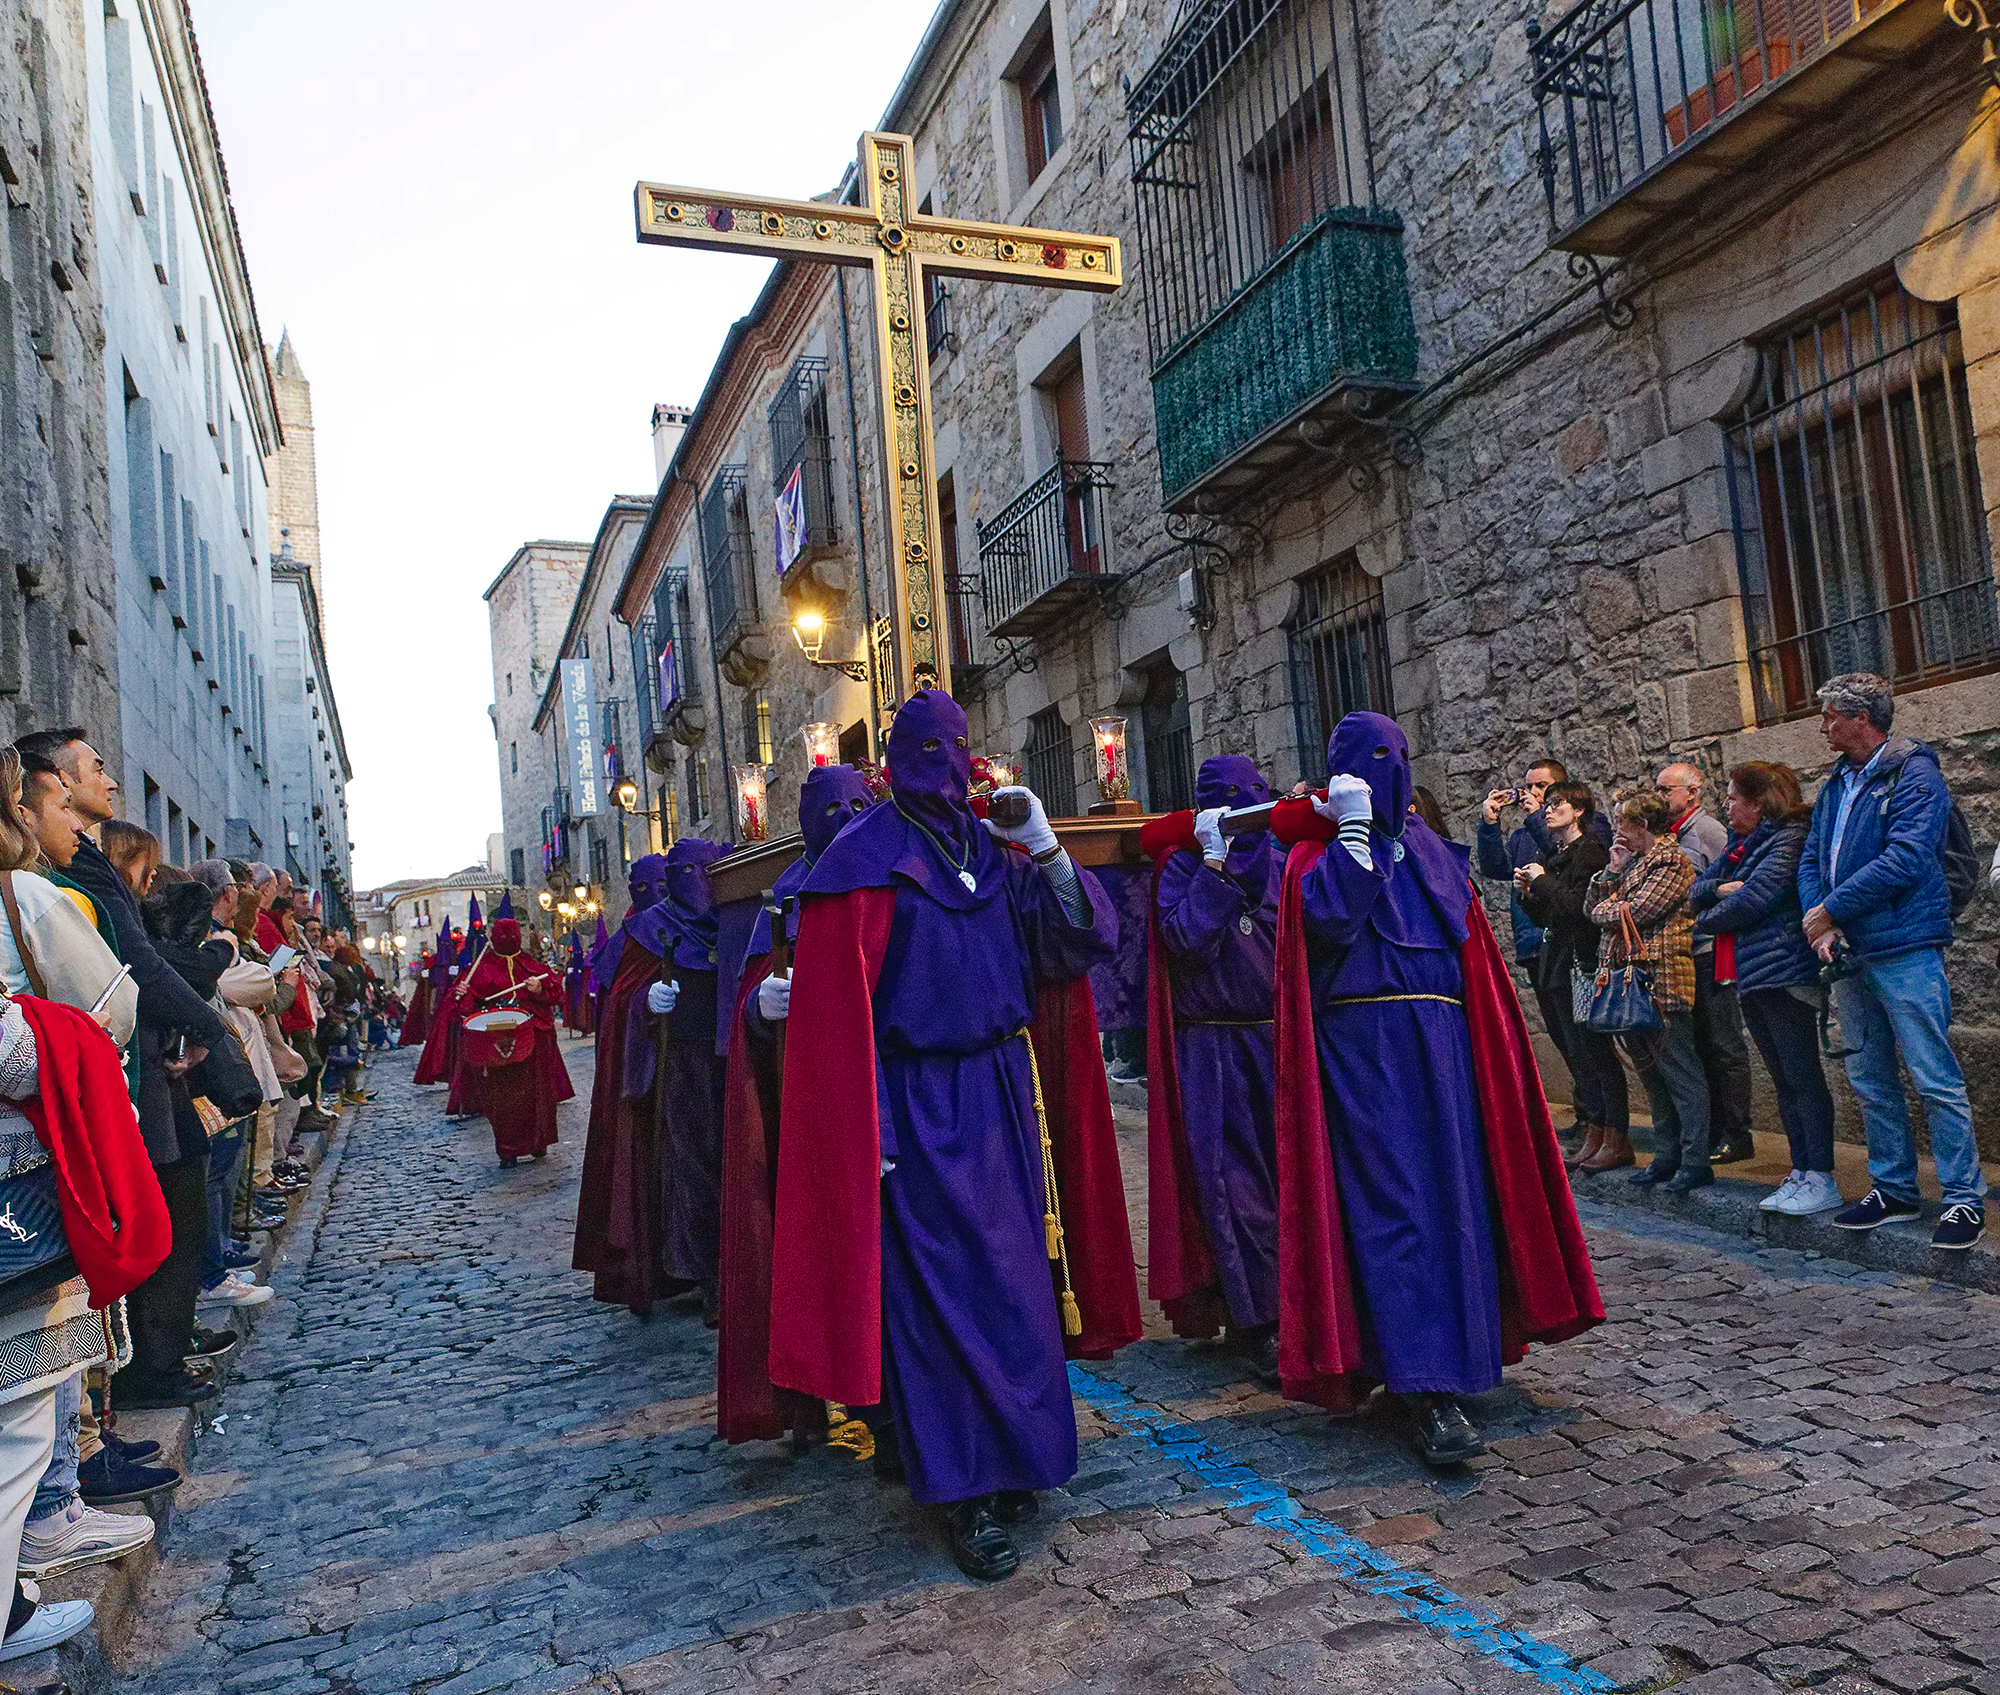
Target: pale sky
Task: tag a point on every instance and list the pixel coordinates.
(436, 200)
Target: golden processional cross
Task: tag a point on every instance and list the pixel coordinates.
(900, 246)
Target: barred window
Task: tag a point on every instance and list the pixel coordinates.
(1051, 763)
(1169, 739)
(726, 555)
(1339, 655)
(757, 748)
(1860, 530)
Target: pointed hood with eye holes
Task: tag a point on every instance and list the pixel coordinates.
(1231, 780)
(929, 835)
(1372, 747)
(830, 799)
(1369, 746)
(930, 767)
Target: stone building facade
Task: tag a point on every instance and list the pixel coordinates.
(527, 610)
(58, 581)
(310, 749)
(194, 419)
(586, 839)
(293, 471)
(1472, 367)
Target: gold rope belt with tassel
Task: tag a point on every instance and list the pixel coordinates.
(1052, 1228)
(1370, 1000)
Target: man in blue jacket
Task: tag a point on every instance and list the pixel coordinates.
(1873, 888)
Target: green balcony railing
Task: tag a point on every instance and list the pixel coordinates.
(1331, 312)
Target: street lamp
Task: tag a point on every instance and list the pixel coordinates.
(625, 796)
(581, 891)
(809, 631)
(548, 900)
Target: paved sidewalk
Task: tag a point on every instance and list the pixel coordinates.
(448, 1471)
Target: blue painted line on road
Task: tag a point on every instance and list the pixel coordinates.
(1417, 1597)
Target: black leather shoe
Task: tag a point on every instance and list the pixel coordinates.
(1263, 1356)
(1732, 1149)
(981, 1548)
(1011, 1506)
(191, 1388)
(1692, 1178)
(888, 1461)
(1445, 1435)
(1649, 1176)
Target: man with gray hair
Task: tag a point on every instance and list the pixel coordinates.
(1877, 904)
(1718, 1018)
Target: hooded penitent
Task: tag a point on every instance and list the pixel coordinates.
(1426, 1228)
(938, 1274)
(513, 1078)
(1212, 1193)
(747, 1407)
(647, 1224)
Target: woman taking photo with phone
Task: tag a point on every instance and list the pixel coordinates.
(1553, 895)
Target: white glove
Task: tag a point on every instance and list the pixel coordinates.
(1346, 798)
(774, 997)
(1208, 833)
(1035, 835)
(451, 971)
(660, 997)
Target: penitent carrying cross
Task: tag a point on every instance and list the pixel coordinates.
(900, 246)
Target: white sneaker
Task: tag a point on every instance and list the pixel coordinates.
(1815, 1191)
(232, 1291)
(51, 1624)
(79, 1536)
(1776, 1200)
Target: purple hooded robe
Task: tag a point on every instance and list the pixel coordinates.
(1220, 930)
(973, 1369)
(1388, 994)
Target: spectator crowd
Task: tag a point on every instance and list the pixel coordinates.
(1663, 934)
(168, 1036)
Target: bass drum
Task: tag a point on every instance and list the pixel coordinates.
(490, 1041)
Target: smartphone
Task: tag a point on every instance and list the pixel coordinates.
(282, 958)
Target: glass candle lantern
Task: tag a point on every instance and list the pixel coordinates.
(750, 816)
(822, 743)
(1107, 737)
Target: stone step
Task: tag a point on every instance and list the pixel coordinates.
(115, 1590)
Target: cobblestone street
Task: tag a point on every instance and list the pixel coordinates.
(445, 1469)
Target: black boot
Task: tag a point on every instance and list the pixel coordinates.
(1444, 1434)
(1011, 1506)
(888, 1461)
(979, 1545)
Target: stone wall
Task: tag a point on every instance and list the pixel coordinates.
(58, 588)
(527, 609)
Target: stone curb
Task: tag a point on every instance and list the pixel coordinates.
(116, 1591)
(1731, 1206)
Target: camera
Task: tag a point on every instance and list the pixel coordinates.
(1517, 797)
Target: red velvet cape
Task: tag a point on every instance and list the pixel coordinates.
(1180, 1266)
(620, 1208)
(826, 1260)
(1547, 1290)
(112, 1210)
(749, 1407)
(434, 1064)
(416, 1016)
(538, 989)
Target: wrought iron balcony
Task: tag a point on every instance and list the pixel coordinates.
(1322, 335)
(1651, 108)
(1044, 551)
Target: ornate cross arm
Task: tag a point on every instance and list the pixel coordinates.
(899, 246)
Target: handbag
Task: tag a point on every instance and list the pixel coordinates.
(1621, 1000)
(34, 1250)
(284, 1057)
(66, 960)
(1581, 985)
